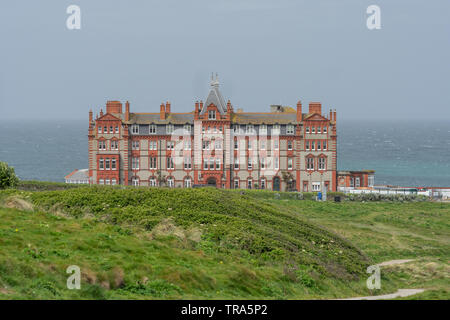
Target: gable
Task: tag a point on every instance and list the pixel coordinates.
(108, 117)
(315, 117)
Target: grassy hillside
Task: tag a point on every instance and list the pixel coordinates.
(199, 243)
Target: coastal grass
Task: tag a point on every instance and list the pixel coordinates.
(140, 243)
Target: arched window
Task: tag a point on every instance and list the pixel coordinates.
(152, 182)
(170, 182)
(135, 181)
(187, 182)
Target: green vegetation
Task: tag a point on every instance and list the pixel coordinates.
(8, 178)
(138, 243)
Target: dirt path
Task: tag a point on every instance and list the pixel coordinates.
(400, 292)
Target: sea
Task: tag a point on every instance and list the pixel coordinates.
(402, 153)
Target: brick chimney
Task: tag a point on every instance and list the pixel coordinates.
(90, 117)
(127, 111)
(162, 112)
(101, 113)
(299, 111)
(113, 107)
(334, 115)
(315, 107)
(167, 107)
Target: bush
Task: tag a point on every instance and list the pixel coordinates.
(8, 178)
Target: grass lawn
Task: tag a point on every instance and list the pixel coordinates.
(139, 243)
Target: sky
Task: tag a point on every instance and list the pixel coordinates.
(265, 52)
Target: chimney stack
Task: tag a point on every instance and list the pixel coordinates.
(162, 112)
(167, 107)
(90, 117)
(101, 112)
(299, 111)
(315, 107)
(127, 111)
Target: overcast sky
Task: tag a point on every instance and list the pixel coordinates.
(265, 52)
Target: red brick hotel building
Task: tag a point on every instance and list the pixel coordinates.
(284, 149)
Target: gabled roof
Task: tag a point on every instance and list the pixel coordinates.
(109, 116)
(215, 97)
(314, 116)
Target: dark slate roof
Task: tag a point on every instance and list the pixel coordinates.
(215, 97)
(149, 118)
(266, 118)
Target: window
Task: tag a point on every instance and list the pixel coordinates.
(322, 163)
(290, 129)
(289, 145)
(117, 129)
(236, 184)
(169, 128)
(102, 145)
(318, 145)
(236, 128)
(249, 129)
(170, 182)
(313, 129)
(187, 163)
(105, 129)
(187, 182)
(217, 164)
(307, 129)
(134, 129)
(220, 129)
(187, 144)
(152, 163)
(152, 129)
(276, 129)
(113, 164)
(263, 129)
(170, 145)
(277, 163)
(99, 129)
(203, 129)
(236, 163)
(263, 163)
(275, 144)
(101, 165)
(236, 144)
(316, 186)
(305, 186)
(211, 164)
(249, 183)
(313, 145)
(324, 145)
(249, 144)
(135, 145)
(187, 128)
(205, 145)
(370, 180)
(113, 182)
(111, 130)
(152, 182)
(318, 129)
(289, 163)
(249, 165)
(324, 129)
(215, 129)
(135, 163)
(212, 114)
(352, 182)
(263, 183)
(263, 145)
(135, 181)
(114, 145)
(107, 181)
(310, 163)
(218, 145)
(307, 145)
(170, 163)
(357, 182)
(153, 145)
(205, 164)
(101, 181)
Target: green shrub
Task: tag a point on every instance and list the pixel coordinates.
(8, 178)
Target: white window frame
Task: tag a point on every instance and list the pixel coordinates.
(170, 128)
(152, 129)
(211, 114)
(316, 186)
(135, 129)
(290, 129)
(290, 163)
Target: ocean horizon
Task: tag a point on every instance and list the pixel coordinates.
(404, 153)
